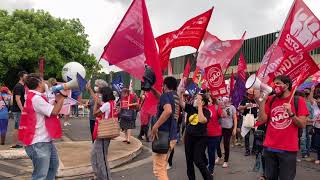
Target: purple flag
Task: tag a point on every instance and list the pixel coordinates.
(239, 91)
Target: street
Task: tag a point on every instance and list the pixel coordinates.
(141, 167)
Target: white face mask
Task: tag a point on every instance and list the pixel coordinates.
(96, 88)
(195, 104)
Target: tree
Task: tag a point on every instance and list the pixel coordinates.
(27, 35)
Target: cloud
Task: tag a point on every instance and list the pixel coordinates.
(11, 5)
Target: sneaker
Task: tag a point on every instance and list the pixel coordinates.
(169, 167)
(140, 138)
(307, 158)
(17, 146)
(317, 162)
(225, 165)
(217, 160)
(298, 160)
(66, 124)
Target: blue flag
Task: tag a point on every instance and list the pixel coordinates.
(193, 89)
(239, 92)
(81, 82)
(117, 84)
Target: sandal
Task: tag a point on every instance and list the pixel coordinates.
(262, 178)
(124, 141)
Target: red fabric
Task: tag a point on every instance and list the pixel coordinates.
(316, 76)
(100, 118)
(132, 44)
(301, 31)
(231, 84)
(169, 68)
(242, 67)
(195, 79)
(215, 51)
(124, 101)
(29, 120)
(213, 126)
(190, 34)
(293, 67)
(144, 118)
(187, 69)
(215, 80)
(282, 134)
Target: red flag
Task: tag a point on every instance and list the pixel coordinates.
(301, 32)
(132, 46)
(231, 83)
(294, 66)
(242, 67)
(186, 71)
(169, 68)
(133, 42)
(215, 80)
(271, 59)
(190, 34)
(216, 51)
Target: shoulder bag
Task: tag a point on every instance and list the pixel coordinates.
(108, 128)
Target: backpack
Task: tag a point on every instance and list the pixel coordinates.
(296, 106)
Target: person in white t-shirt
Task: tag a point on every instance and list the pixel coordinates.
(99, 152)
(39, 125)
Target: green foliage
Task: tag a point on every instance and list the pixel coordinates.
(26, 35)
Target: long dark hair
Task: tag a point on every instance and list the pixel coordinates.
(107, 94)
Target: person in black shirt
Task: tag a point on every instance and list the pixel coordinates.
(17, 107)
(249, 105)
(196, 135)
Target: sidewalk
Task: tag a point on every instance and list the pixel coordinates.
(74, 156)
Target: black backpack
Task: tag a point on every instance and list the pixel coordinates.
(296, 106)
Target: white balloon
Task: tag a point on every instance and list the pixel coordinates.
(71, 69)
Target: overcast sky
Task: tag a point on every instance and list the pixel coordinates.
(229, 20)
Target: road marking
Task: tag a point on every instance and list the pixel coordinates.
(134, 164)
(24, 168)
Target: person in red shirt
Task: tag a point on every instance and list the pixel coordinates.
(214, 132)
(283, 122)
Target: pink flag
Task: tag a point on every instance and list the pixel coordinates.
(187, 69)
(301, 31)
(216, 51)
(169, 68)
(271, 59)
(242, 67)
(129, 47)
(190, 34)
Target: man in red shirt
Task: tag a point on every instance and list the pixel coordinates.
(281, 141)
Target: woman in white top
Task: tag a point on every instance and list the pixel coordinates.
(99, 153)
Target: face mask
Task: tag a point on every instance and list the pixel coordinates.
(96, 88)
(278, 90)
(195, 104)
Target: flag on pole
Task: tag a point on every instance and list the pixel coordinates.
(231, 84)
(132, 44)
(117, 84)
(190, 34)
(300, 32)
(239, 91)
(215, 51)
(242, 67)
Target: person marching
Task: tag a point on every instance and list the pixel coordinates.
(229, 128)
(283, 119)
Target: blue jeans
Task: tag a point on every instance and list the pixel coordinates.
(213, 143)
(16, 117)
(305, 141)
(45, 160)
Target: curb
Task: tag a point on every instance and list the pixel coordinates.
(87, 169)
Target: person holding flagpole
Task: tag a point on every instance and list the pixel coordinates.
(283, 119)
